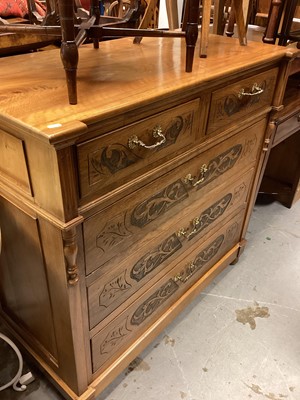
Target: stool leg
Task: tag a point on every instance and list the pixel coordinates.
(289, 13)
(206, 9)
(95, 10)
(274, 17)
(146, 20)
(219, 20)
(69, 50)
(191, 32)
(231, 20)
(240, 22)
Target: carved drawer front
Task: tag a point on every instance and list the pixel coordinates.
(113, 159)
(13, 165)
(240, 100)
(287, 127)
(116, 336)
(114, 230)
(150, 260)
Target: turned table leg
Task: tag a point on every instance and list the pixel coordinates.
(69, 50)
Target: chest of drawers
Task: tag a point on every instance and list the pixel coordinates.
(116, 212)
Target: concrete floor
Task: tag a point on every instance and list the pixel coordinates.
(238, 340)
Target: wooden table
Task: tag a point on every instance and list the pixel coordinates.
(115, 213)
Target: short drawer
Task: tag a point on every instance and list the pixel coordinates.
(118, 335)
(287, 128)
(150, 259)
(13, 164)
(241, 100)
(113, 159)
(114, 230)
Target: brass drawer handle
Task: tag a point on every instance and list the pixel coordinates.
(180, 276)
(190, 179)
(134, 141)
(256, 90)
(184, 232)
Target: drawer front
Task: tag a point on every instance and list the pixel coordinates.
(150, 261)
(113, 231)
(13, 166)
(111, 160)
(240, 100)
(116, 336)
(287, 128)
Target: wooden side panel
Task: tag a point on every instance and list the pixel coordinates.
(24, 289)
(13, 167)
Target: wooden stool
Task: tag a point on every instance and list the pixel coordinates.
(97, 27)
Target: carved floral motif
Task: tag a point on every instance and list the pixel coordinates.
(153, 302)
(220, 164)
(112, 235)
(114, 338)
(113, 289)
(158, 204)
(172, 244)
(155, 258)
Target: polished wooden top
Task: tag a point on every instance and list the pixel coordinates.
(112, 80)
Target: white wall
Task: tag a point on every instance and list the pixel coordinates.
(163, 18)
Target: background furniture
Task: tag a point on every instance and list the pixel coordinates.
(280, 20)
(281, 179)
(115, 213)
(96, 27)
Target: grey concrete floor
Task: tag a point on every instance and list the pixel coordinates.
(238, 340)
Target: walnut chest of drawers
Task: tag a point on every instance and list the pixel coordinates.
(116, 212)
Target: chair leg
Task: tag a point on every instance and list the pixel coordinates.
(147, 17)
(240, 21)
(191, 32)
(231, 20)
(218, 21)
(289, 13)
(95, 10)
(274, 18)
(69, 50)
(206, 9)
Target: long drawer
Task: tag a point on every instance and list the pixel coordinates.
(114, 230)
(109, 343)
(150, 259)
(109, 161)
(240, 100)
